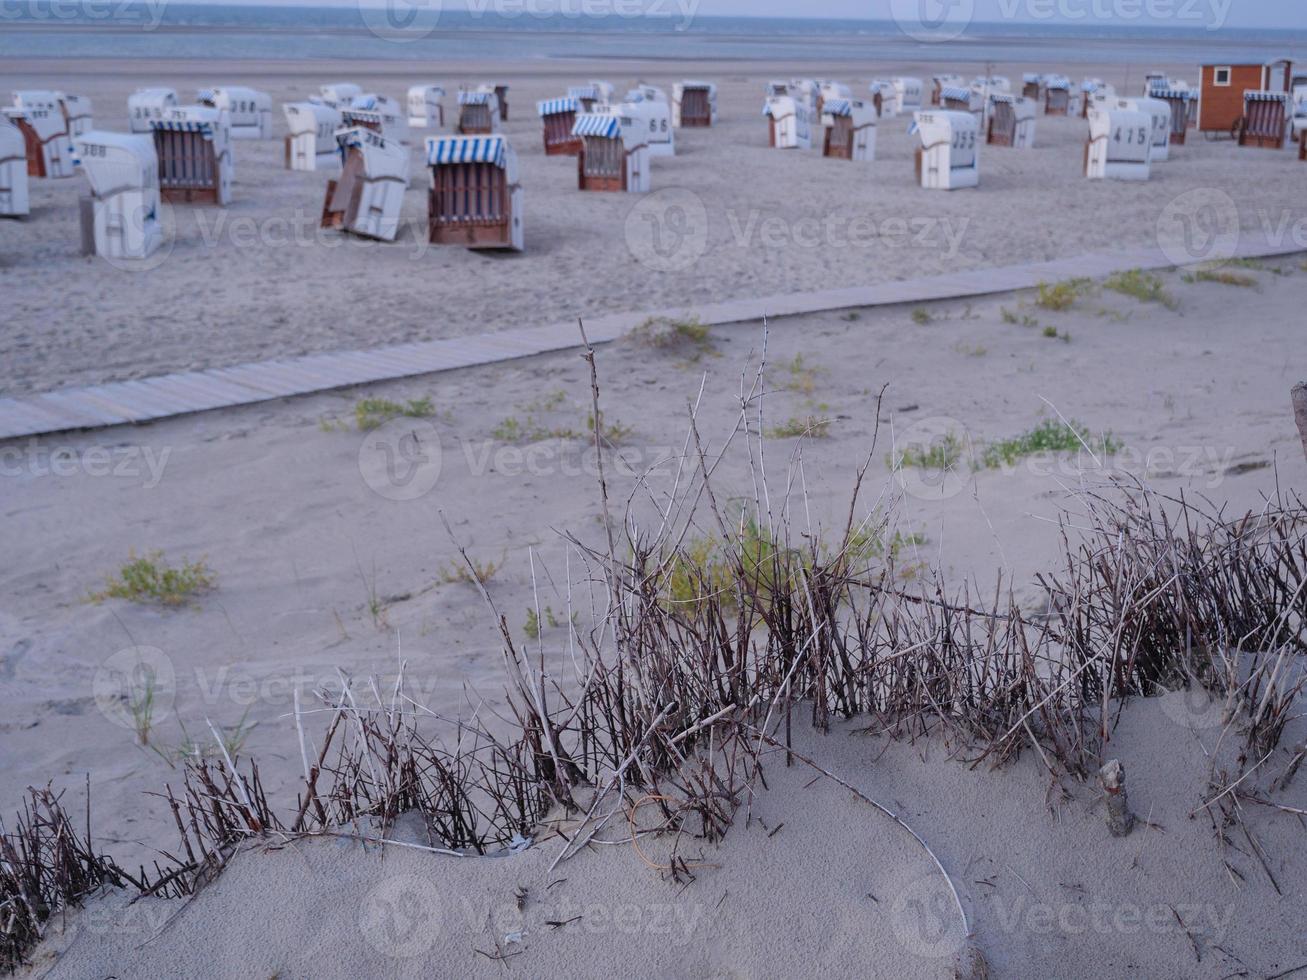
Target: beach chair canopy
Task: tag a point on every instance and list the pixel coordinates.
(477, 98)
(425, 94)
(553, 107)
(578, 93)
(205, 120)
(38, 99)
(1032, 77)
(955, 94)
(1058, 83)
(115, 162)
(449, 150)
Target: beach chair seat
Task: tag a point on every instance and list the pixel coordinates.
(1265, 120)
(850, 129)
(788, 123)
(426, 108)
(249, 112)
(478, 113)
(148, 104)
(1011, 122)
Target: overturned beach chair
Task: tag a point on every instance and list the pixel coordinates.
(949, 155)
(788, 123)
(13, 171)
(249, 111)
(614, 154)
(311, 140)
(367, 198)
(1011, 122)
(379, 113)
(850, 129)
(48, 147)
(337, 94)
(694, 104)
(1057, 96)
(148, 104)
(557, 116)
(1265, 120)
(122, 170)
(426, 108)
(475, 199)
(193, 147)
(647, 106)
(1178, 101)
(478, 113)
(1120, 144)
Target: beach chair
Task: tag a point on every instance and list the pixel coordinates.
(426, 110)
(1032, 87)
(193, 147)
(311, 140)
(1090, 89)
(941, 82)
(948, 156)
(807, 91)
(694, 105)
(148, 104)
(13, 171)
(478, 113)
(957, 99)
(586, 97)
(77, 113)
(1057, 96)
(788, 123)
(556, 119)
(614, 155)
(379, 113)
(647, 106)
(882, 97)
(1011, 122)
(1160, 114)
(249, 111)
(850, 129)
(501, 94)
(123, 172)
(49, 148)
(1120, 144)
(475, 199)
(1178, 101)
(907, 94)
(833, 90)
(367, 198)
(1265, 120)
(337, 94)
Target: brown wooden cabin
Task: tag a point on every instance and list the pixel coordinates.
(1032, 90)
(838, 142)
(1221, 105)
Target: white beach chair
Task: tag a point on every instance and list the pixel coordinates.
(249, 110)
(311, 140)
(1011, 122)
(337, 94)
(379, 113)
(123, 172)
(614, 153)
(426, 108)
(475, 197)
(148, 104)
(789, 124)
(1120, 144)
(13, 171)
(367, 198)
(949, 155)
(907, 94)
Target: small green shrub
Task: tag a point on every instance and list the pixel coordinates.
(151, 579)
(1143, 286)
(370, 413)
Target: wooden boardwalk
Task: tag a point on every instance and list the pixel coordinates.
(160, 397)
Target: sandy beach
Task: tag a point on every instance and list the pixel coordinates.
(335, 533)
(259, 279)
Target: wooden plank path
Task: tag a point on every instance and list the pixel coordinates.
(148, 399)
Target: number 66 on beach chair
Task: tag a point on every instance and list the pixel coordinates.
(367, 198)
(1120, 144)
(949, 155)
(123, 172)
(13, 171)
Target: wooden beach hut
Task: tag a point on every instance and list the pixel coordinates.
(478, 113)
(193, 147)
(311, 137)
(475, 198)
(367, 198)
(557, 117)
(1221, 105)
(1011, 121)
(788, 123)
(148, 104)
(1120, 143)
(426, 107)
(849, 129)
(123, 173)
(13, 171)
(694, 104)
(948, 156)
(614, 154)
(249, 110)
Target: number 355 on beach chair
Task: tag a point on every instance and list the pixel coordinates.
(367, 198)
(13, 171)
(193, 145)
(1120, 144)
(123, 171)
(949, 155)
(475, 199)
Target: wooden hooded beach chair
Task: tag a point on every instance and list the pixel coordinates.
(475, 196)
